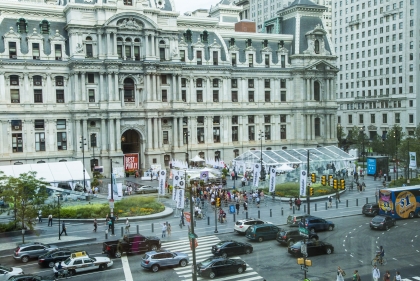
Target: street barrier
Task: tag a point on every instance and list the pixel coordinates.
(258, 213)
(153, 227)
(347, 203)
(271, 213)
(137, 228)
(357, 201)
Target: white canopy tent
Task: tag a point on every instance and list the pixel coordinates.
(197, 159)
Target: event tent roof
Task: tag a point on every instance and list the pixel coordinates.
(49, 172)
(294, 156)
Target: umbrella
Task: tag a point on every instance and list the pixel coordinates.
(197, 159)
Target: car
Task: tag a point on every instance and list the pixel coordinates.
(7, 272)
(312, 248)
(242, 225)
(145, 189)
(52, 257)
(27, 251)
(370, 209)
(262, 232)
(314, 224)
(155, 260)
(131, 243)
(290, 237)
(31, 277)
(230, 248)
(382, 222)
(294, 220)
(218, 266)
(80, 261)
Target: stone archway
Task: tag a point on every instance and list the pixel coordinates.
(130, 142)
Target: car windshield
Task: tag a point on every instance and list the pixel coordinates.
(282, 233)
(297, 244)
(67, 261)
(206, 262)
(6, 268)
(378, 219)
(220, 244)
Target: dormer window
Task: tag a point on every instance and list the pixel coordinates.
(265, 43)
(251, 60)
(316, 46)
(89, 47)
(233, 59)
(45, 27)
(215, 58)
(22, 25)
(199, 58)
(204, 36)
(182, 55)
(12, 50)
(128, 2)
(58, 52)
(248, 43)
(35, 51)
(188, 36)
(232, 42)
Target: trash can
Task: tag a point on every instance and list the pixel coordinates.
(232, 209)
(389, 178)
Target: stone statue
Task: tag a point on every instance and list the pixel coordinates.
(175, 52)
(79, 48)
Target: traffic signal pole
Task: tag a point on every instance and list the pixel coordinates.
(215, 215)
(309, 196)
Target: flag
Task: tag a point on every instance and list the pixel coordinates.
(302, 185)
(162, 182)
(413, 160)
(204, 175)
(272, 186)
(256, 176)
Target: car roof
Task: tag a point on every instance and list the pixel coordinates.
(250, 219)
(32, 244)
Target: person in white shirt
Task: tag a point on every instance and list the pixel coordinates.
(398, 276)
(375, 273)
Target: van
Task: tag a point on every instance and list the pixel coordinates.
(262, 232)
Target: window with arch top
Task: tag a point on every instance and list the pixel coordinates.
(317, 91)
(128, 90)
(317, 127)
(22, 25)
(44, 27)
(316, 46)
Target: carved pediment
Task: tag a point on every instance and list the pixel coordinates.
(250, 48)
(215, 45)
(182, 43)
(373, 128)
(129, 23)
(283, 50)
(57, 37)
(35, 35)
(11, 34)
(198, 44)
(267, 49)
(233, 48)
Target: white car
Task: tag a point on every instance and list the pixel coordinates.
(7, 272)
(242, 225)
(79, 262)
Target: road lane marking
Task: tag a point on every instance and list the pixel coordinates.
(126, 268)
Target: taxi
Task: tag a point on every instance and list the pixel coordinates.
(80, 262)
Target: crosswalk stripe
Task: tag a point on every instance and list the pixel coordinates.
(416, 278)
(229, 277)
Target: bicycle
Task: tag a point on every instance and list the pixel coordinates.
(379, 261)
(63, 273)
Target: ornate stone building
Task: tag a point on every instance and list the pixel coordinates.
(133, 76)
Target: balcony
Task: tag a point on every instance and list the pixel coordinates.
(391, 12)
(354, 22)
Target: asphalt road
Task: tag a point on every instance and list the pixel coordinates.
(354, 242)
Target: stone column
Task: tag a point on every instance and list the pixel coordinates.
(85, 133)
(181, 131)
(114, 45)
(116, 95)
(311, 90)
(76, 91)
(207, 93)
(308, 89)
(179, 89)
(101, 87)
(110, 94)
(158, 87)
(152, 49)
(155, 134)
(118, 134)
(77, 135)
(327, 94)
(49, 94)
(83, 84)
(159, 130)
(240, 128)
(108, 44)
(175, 132)
(111, 126)
(193, 96)
(103, 135)
(149, 134)
(308, 127)
(26, 85)
(2, 88)
(99, 34)
(148, 87)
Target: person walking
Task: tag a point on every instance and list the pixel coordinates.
(340, 274)
(95, 225)
(49, 220)
(330, 201)
(387, 276)
(298, 203)
(40, 216)
(169, 229)
(397, 276)
(356, 276)
(258, 201)
(376, 274)
(237, 205)
(164, 228)
(245, 207)
(127, 226)
(337, 197)
(291, 203)
(63, 228)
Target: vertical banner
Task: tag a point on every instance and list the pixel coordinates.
(302, 185)
(180, 195)
(413, 160)
(256, 174)
(272, 186)
(204, 175)
(175, 177)
(162, 181)
(131, 162)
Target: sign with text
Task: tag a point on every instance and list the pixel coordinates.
(131, 162)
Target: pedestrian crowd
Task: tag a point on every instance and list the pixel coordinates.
(376, 275)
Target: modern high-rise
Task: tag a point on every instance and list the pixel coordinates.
(377, 44)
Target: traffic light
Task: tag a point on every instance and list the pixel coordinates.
(330, 178)
(324, 180)
(335, 183)
(218, 202)
(311, 191)
(343, 184)
(313, 177)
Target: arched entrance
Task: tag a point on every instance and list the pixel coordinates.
(130, 142)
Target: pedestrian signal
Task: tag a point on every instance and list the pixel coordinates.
(335, 184)
(324, 180)
(313, 177)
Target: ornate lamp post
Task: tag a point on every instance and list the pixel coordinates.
(362, 133)
(187, 134)
(59, 216)
(261, 135)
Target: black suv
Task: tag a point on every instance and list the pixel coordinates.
(290, 237)
(52, 257)
(370, 209)
(316, 224)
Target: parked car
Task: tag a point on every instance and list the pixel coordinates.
(154, 260)
(7, 272)
(314, 224)
(290, 237)
(242, 225)
(382, 222)
(370, 209)
(132, 243)
(218, 266)
(230, 248)
(312, 248)
(145, 189)
(52, 257)
(294, 220)
(24, 252)
(79, 262)
(262, 232)
(31, 277)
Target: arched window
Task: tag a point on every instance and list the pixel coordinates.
(22, 25)
(136, 49)
(128, 90)
(127, 50)
(217, 155)
(236, 153)
(317, 127)
(201, 154)
(316, 46)
(188, 36)
(317, 91)
(88, 38)
(162, 50)
(44, 27)
(120, 47)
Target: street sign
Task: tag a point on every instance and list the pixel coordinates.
(303, 249)
(187, 217)
(111, 203)
(303, 231)
(192, 236)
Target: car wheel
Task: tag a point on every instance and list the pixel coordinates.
(224, 255)
(260, 239)
(51, 264)
(248, 251)
(183, 263)
(118, 254)
(411, 215)
(72, 272)
(330, 228)
(328, 251)
(291, 242)
(212, 275)
(240, 269)
(25, 259)
(386, 227)
(154, 247)
(155, 268)
(312, 229)
(102, 267)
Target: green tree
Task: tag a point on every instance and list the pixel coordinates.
(27, 194)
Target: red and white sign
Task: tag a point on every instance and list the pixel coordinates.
(131, 162)
(187, 217)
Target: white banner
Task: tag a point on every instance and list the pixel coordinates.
(174, 193)
(302, 185)
(413, 160)
(117, 189)
(272, 186)
(180, 198)
(256, 176)
(162, 182)
(176, 177)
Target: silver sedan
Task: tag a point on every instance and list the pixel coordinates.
(146, 189)
(155, 260)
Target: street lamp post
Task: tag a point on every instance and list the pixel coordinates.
(59, 216)
(261, 135)
(362, 133)
(396, 154)
(82, 146)
(192, 234)
(187, 134)
(111, 201)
